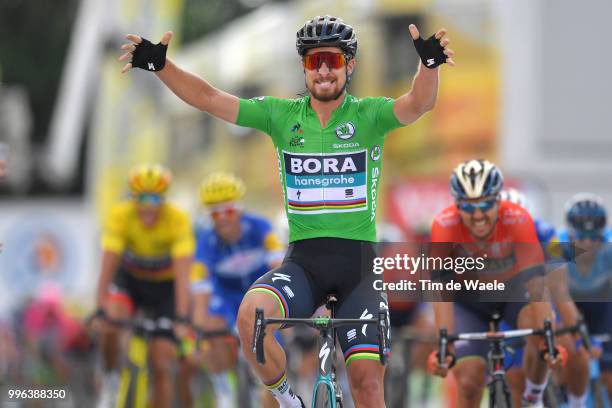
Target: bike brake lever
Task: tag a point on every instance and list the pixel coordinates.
(584, 334)
(258, 336)
(442, 348)
(382, 338)
(549, 337)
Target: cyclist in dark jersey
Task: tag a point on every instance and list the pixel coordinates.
(329, 150)
(584, 285)
(479, 224)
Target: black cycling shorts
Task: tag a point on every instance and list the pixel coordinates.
(314, 268)
(155, 299)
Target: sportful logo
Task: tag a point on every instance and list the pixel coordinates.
(288, 291)
(351, 335)
(430, 62)
(345, 131)
(323, 354)
(297, 128)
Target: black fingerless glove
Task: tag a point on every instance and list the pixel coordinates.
(430, 51)
(149, 56)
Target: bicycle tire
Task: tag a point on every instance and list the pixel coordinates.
(244, 384)
(553, 395)
(323, 397)
(500, 397)
(396, 383)
(599, 395)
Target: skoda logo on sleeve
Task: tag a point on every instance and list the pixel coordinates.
(345, 131)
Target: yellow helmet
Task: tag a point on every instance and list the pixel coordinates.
(149, 179)
(221, 187)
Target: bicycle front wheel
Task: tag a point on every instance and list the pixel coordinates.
(324, 397)
(500, 396)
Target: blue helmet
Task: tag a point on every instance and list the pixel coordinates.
(476, 179)
(585, 212)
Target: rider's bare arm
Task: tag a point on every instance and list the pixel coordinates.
(557, 282)
(110, 264)
(182, 267)
(444, 316)
(186, 85)
(200, 308)
(422, 97)
(540, 300)
(199, 93)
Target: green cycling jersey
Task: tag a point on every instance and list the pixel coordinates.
(330, 176)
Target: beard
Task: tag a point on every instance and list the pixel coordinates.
(326, 96)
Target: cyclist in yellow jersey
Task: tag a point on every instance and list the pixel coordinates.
(148, 246)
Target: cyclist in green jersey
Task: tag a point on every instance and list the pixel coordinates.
(329, 150)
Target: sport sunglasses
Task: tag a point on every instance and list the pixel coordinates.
(153, 200)
(224, 212)
(333, 60)
(471, 207)
(596, 235)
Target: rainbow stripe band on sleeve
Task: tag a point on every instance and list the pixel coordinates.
(280, 299)
(362, 352)
(276, 383)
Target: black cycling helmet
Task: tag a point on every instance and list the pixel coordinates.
(585, 212)
(326, 31)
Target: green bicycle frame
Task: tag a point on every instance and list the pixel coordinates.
(326, 380)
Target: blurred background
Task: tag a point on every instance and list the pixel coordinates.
(530, 92)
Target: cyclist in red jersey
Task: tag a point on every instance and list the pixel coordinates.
(504, 236)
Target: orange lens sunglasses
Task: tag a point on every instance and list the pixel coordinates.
(333, 60)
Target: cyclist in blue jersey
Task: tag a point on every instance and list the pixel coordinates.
(585, 284)
(230, 256)
(545, 230)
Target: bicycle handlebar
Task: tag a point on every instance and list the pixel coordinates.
(320, 323)
(547, 332)
(145, 324)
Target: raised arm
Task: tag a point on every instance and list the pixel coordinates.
(189, 87)
(422, 96)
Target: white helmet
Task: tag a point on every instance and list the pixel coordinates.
(475, 179)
